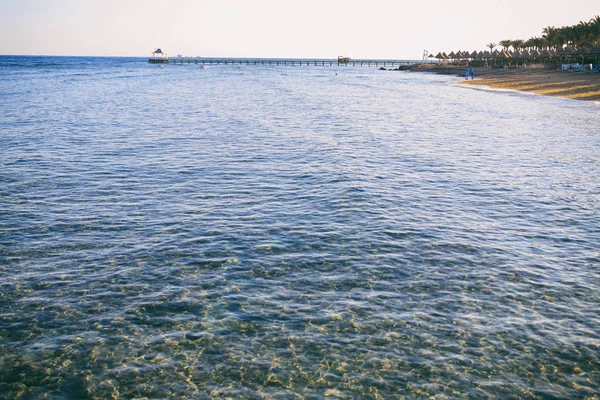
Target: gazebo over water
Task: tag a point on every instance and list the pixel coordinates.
(158, 57)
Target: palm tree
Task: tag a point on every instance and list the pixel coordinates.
(578, 34)
(505, 44)
(529, 43)
(518, 44)
(595, 30)
(550, 33)
(537, 43)
(587, 34)
(563, 36)
(584, 34)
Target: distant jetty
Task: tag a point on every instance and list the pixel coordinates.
(284, 62)
(159, 56)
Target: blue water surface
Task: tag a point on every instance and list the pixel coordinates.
(293, 232)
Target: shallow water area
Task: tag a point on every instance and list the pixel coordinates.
(292, 232)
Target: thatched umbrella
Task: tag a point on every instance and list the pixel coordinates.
(516, 56)
(545, 54)
(473, 54)
(505, 55)
(486, 55)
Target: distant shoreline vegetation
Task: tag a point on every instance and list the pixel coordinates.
(582, 40)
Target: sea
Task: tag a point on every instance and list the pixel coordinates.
(279, 232)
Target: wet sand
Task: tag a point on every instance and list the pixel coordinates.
(546, 81)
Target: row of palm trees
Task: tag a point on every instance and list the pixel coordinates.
(582, 35)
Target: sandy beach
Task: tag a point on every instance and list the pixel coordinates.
(546, 81)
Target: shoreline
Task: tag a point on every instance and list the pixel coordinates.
(544, 81)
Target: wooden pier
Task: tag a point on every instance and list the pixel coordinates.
(292, 62)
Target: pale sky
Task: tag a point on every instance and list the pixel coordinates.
(276, 28)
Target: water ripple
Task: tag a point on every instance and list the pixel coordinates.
(196, 233)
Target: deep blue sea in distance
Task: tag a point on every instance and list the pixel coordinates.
(293, 232)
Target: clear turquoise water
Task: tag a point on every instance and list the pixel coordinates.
(286, 232)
